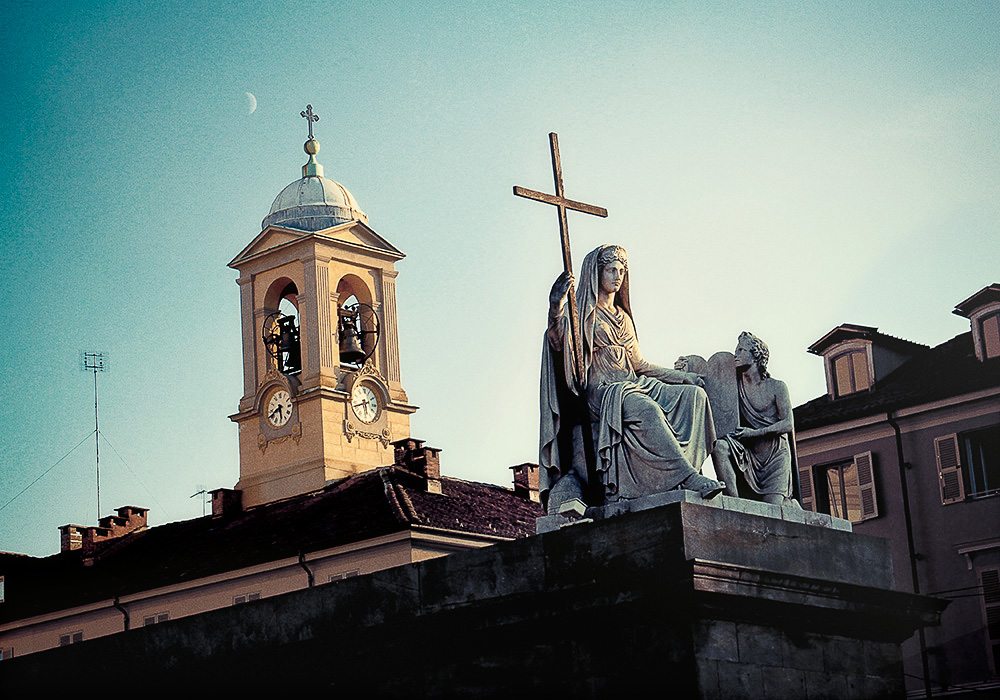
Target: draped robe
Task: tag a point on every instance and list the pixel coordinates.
(766, 462)
(650, 433)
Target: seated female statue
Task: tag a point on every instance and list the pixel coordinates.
(652, 426)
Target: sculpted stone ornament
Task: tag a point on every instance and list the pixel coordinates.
(761, 447)
(650, 427)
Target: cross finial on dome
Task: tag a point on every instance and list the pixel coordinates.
(311, 168)
(310, 117)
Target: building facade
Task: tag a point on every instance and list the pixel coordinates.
(906, 444)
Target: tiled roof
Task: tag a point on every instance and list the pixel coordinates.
(950, 369)
(848, 331)
(357, 508)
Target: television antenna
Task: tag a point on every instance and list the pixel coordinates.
(203, 492)
(96, 362)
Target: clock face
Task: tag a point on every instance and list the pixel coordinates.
(279, 408)
(364, 403)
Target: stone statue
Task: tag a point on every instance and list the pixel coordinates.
(651, 426)
(759, 447)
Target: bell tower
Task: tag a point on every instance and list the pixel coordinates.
(322, 397)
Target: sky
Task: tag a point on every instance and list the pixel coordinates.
(775, 167)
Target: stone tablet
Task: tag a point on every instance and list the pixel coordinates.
(720, 385)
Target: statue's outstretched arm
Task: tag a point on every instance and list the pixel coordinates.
(668, 376)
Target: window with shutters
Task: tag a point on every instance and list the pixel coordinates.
(850, 372)
(981, 450)
(843, 489)
(990, 334)
(989, 580)
(968, 464)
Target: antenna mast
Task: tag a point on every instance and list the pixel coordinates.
(96, 362)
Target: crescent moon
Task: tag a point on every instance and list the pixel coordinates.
(251, 102)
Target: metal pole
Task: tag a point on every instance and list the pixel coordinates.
(97, 446)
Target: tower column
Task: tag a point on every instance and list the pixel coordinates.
(319, 330)
(390, 333)
(249, 339)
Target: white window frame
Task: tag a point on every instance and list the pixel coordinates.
(835, 351)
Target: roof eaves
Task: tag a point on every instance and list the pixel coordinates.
(983, 296)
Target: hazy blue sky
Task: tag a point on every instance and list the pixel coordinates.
(777, 167)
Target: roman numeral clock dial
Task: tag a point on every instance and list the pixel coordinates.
(364, 403)
(279, 408)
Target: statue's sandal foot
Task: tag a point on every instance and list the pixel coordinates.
(705, 487)
(709, 491)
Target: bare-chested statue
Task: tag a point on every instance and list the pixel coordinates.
(759, 447)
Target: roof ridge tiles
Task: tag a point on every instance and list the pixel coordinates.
(391, 495)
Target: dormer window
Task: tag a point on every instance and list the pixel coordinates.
(990, 331)
(856, 357)
(983, 311)
(850, 371)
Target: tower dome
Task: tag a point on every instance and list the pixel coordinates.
(313, 203)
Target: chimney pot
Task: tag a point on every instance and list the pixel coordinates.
(226, 502)
(526, 481)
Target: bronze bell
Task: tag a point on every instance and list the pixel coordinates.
(350, 344)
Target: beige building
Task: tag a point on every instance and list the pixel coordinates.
(331, 483)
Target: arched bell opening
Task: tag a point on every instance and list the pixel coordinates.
(357, 323)
(280, 330)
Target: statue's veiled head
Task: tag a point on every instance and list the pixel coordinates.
(589, 286)
(610, 253)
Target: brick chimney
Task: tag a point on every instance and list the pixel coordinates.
(526, 481)
(411, 455)
(127, 519)
(226, 501)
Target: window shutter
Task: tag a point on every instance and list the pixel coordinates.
(807, 493)
(866, 485)
(989, 579)
(949, 466)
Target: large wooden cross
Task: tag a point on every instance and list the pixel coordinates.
(559, 201)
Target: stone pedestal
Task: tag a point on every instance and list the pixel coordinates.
(685, 600)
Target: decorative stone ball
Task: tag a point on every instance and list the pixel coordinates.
(311, 147)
